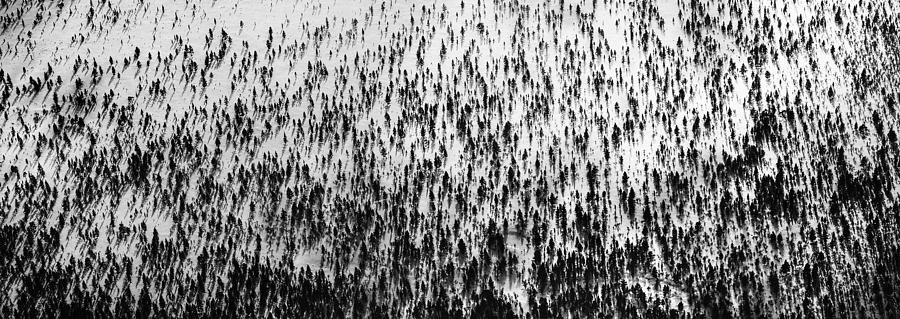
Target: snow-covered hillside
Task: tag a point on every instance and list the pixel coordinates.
(410, 159)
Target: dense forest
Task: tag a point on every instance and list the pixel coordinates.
(448, 159)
